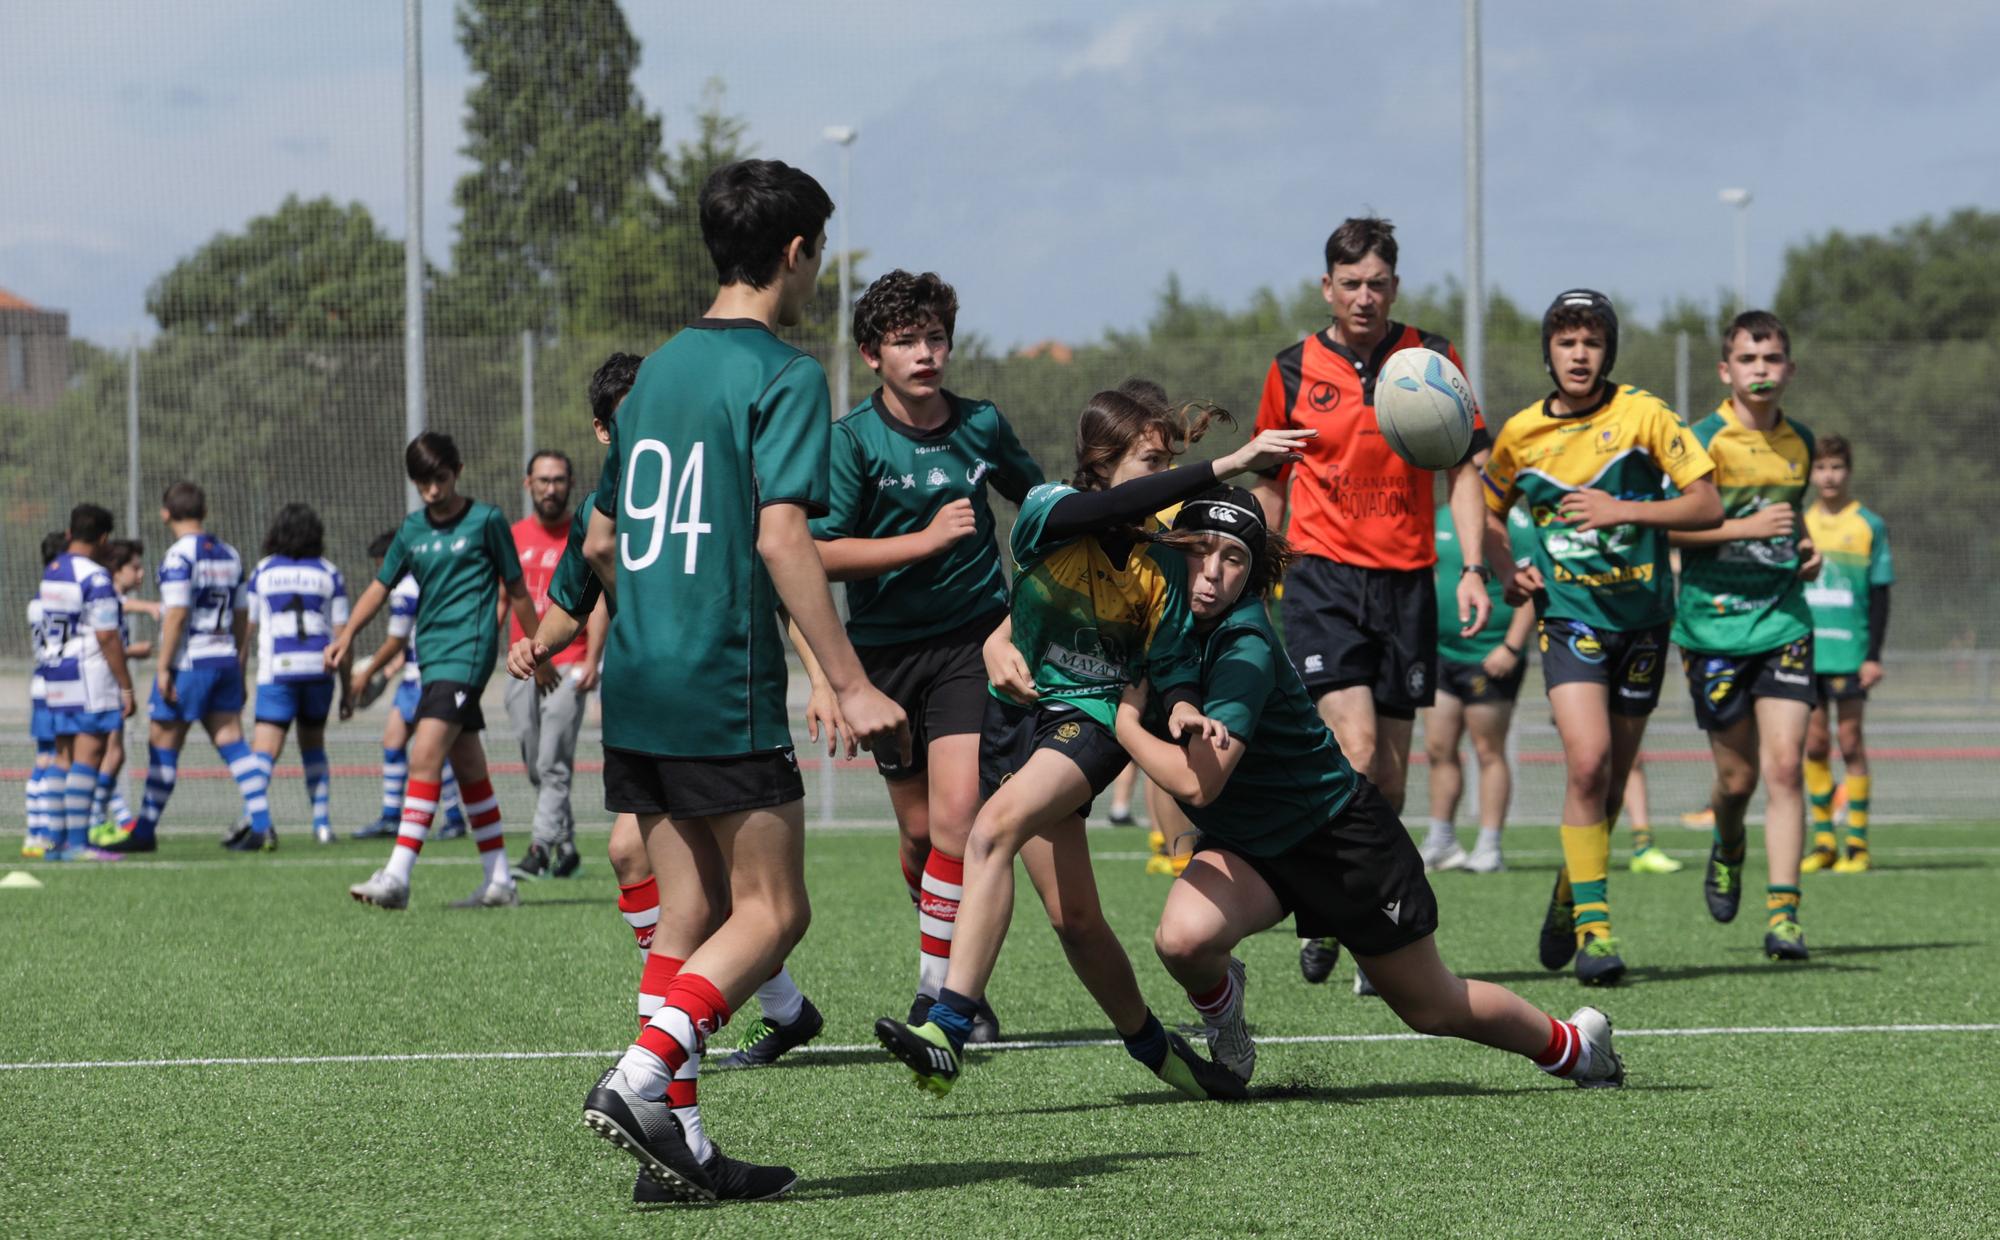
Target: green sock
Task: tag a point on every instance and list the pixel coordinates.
(1642, 839)
(1729, 837)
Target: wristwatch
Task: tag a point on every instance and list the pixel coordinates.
(1480, 570)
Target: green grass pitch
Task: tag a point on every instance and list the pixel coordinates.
(1732, 1132)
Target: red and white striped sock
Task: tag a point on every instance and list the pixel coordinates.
(482, 814)
(659, 973)
(1215, 1003)
(666, 1060)
(1567, 1055)
(910, 880)
(937, 918)
(639, 905)
(419, 807)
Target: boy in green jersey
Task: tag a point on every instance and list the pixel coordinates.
(461, 553)
(1850, 611)
(1591, 463)
(909, 527)
(1743, 627)
(1288, 828)
(1478, 680)
(699, 533)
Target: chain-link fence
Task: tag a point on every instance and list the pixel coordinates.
(263, 423)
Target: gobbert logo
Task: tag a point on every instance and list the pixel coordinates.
(1323, 396)
(1068, 732)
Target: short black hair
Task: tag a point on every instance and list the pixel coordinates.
(569, 467)
(89, 523)
(184, 501)
(54, 543)
(751, 210)
(899, 300)
(609, 384)
(378, 547)
(431, 454)
(122, 551)
(296, 533)
(1761, 324)
(1358, 237)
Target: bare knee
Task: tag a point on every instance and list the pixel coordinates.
(1782, 770)
(1179, 945)
(1078, 927)
(629, 862)
(1590, 776)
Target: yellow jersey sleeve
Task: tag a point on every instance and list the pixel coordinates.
(1498, 474)
(1680, 455)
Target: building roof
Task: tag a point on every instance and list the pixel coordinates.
(8, 301)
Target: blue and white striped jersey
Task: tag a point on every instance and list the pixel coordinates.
(203, 574)
(403, 623)
(297, 606)
(78, 603)
(35, 687)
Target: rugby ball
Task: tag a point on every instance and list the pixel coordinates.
(1425, 408)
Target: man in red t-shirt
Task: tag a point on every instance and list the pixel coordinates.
(1360, 609)
(548, 712)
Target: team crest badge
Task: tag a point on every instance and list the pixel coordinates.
(1069, 732)
(936, 477)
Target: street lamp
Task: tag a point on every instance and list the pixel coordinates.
(1740, 199)
(843, 136)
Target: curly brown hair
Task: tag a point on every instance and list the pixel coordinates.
(898, 300)
(1113, 421)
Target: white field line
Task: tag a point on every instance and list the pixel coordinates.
(1555, 854)
(1309, 1039)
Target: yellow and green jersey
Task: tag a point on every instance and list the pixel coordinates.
(1854, 548)
(1631, 446)
(1088, 620)
(724, 421)
(1292, 778)
(1745, 596)
(1451, 647)
(890, 478)
(459, 566)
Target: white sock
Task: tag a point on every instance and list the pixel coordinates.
(404, 858)
(497, 873)
(644, 1071)
(1442, 832)
(1489, 839)
(781, 998)
(690, 1117)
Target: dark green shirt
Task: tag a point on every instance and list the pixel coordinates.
(1451, 562)
(723, 421)
(573, 587)
(889, 478)
(1292, 778)
(459, 566)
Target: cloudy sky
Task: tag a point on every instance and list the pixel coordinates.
(1057, 160)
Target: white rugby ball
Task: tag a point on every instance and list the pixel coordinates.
(1425, 408)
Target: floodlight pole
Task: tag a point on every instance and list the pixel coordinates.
(413, 231)
(843, 136)
(1740, 199)
(1475, 240)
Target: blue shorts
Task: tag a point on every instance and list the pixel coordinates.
(42, 722)
(407, 696)
(87, 722)
(202, 691)
(308, 701)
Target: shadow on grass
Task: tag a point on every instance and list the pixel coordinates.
(1304, 1091)
(1877, 949)
(1682, 973)
(1058, 1173)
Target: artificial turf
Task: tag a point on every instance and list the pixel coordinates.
(197, 954)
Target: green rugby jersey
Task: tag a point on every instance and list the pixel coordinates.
(1292, 778)
(1617, 578)
(1085, 625)
(723, 421)
(459, 565)
(1854, 547)
(1451, 647)
(1745, 596)
(889, 478)
(573, 587)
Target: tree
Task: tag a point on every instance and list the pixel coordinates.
(310, 269)
(1931, 280)
(562, 147)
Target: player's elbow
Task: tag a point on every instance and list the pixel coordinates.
(1706, 511)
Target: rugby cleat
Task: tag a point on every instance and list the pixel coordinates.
(1444, 854)
(1316, 959)
(380, 829)
(491, 895)
(985, 1026)
(1228, 1036)
(564, 861)
(1362, 986)
(1204, 1080)
(924, 1050)
(237, 834)
(133, 843)
(533, 864)
(106, 833)
(1485, 861)
(1653, 860)
(1855, 862)
(1598, 962)
(254, 841)
(382, 890)
(322, 835)
(1606, 1070)
(766, 1040)
(735, 1180)
(646, 1129)
(1722, 886)
(34, 848)
(453, 828)
(1819, 859)
(1786, 941)
(1558, 940)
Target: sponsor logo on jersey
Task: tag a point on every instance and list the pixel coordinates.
(979, 470)
(1393, 910)
(1642, 669)
(1084, 666)
(936, 478)
(1323, 396)
(1315, 664)
(1069, 732)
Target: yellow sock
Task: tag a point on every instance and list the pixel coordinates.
(1587, 857)
(1857, 811)
(1819, 795)
(1781, 903)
